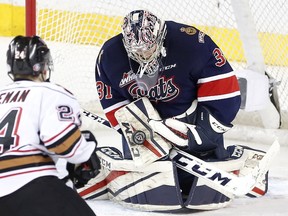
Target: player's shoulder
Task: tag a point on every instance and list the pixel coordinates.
(113, 49)
(114, 42)
(181, 31)
(47, 88)
(56, 89)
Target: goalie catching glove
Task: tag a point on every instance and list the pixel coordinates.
(80, 174)
(198, 131)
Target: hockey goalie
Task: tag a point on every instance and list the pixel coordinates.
(162, 176)
(172, 94)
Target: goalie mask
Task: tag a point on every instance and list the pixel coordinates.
(143, 38)
(28, 56)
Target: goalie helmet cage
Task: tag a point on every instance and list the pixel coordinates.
(251, 33)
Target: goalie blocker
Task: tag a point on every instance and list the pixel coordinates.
(152, 181)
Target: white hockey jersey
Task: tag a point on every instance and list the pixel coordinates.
(38, 124)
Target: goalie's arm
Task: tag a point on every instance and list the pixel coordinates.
(110, 98)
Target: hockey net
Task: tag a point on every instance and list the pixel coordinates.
(76, 30)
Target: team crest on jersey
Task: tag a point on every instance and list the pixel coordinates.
(127, 78)
(188, 30)
(165, 90)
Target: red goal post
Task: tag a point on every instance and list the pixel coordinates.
(251, 33)
(30, 21)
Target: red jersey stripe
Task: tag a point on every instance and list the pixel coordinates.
(218, 87)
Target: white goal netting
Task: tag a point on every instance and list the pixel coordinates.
(77, 29)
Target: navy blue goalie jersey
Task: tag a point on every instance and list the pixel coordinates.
(193, 69)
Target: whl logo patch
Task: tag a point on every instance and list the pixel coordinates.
(127, 78)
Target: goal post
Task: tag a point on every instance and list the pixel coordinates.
(75, 31)
(270, 116)
(30, 17)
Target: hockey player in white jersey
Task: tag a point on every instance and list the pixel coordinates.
(39, 123)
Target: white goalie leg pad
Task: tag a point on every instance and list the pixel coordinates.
(111, 159)
(225, 182)
(145, 145)
(96, 188)
(147, 191)
(150, 188)
(253, 159)
(244, 165)
(202, 197)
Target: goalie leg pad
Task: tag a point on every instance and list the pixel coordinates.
(202, 197)
(253, 157)
(150, 188)
(147, 191)
(242, 161)
(96, 188)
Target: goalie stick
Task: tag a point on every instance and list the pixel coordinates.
(218, 179)
(223, 181)
(96, 118)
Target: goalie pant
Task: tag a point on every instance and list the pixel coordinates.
(153, 188)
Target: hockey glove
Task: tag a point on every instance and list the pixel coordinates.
(87, 170)
(198, 133)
